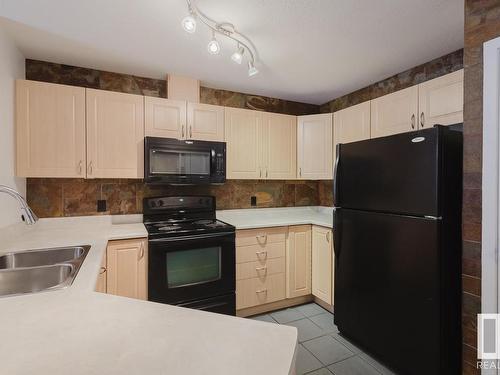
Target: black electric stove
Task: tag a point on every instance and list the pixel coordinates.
(191, 254)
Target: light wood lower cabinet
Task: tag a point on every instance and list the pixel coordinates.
(298, 261)
(322, 264)
(260, 266)
(126, 268)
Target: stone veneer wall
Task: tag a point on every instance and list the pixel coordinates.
(421, 73)
(50, 197)
(482, 23)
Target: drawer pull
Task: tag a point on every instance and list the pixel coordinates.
(261, 268)
(259, 253)
(261, 291)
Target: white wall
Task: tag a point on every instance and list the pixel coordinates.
(11, 67)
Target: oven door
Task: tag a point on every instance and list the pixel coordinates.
(189, 268)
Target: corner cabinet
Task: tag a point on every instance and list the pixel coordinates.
(50, 130)
(298, 261)
(115, 135)
(322, 263)
(314, 147)
(126, 268)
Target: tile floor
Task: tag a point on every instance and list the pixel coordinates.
(322, 350)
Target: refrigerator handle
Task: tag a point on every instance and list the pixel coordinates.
(337, 231)
(335, 175)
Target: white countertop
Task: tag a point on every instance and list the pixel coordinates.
(277, 217)
(79, 331)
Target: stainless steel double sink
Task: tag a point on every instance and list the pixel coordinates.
(39, 270)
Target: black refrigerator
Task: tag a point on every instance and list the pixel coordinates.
(397, 228)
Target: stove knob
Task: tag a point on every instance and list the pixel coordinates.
(160, 203)
(152, 204)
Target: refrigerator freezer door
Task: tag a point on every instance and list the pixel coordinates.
(387, 287)
(396, 174)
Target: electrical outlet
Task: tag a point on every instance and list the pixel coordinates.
(253, 201)
(101, 205)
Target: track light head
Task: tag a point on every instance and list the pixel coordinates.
(213, 46)
(189, 24)
(252, 70)
(237, 56)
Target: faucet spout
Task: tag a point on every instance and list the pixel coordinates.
(27, 213)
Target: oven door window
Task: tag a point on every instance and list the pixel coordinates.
(192, 267)
(179, 162)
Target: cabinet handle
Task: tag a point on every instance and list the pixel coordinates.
(261, 291)
(260, 172)
(263, 236)
(182, 130)
(259, 253)
(80, 166)
(190, 131)
(103, 270)
(413, 121)
(266, 173)
(300, 171)
(422, 119)
(90, 167)
(141, 251)
(328, 236)
(261, 268)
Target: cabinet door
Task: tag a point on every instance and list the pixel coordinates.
(115, 135)
(322, 250)
(50, 130)
(243, 129)
(165, 118)
(279, 146)
(394, 113)
(101, 279)
(441, 100)
(127, 268)
(298, 261)
(314, 147)
(351, 124)
(205, 122)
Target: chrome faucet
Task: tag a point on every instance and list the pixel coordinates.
(27, 213)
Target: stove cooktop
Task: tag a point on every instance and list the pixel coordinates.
(172, 228)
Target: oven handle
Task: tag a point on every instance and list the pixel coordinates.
(187, 238)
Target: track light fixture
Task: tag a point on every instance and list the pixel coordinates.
(225, 29)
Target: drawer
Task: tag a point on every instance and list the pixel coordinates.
(260, 269)
(253, 292)
(254, 253)
(261, 236)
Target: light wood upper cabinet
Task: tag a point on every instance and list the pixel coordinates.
(115, 135)
(205, 122)
(314, 147)
(50, 130)
(351, 124)
(165, 118)
(127, 268)
(322, 265)
(441, 100)
(279, 146)
(298, 261)
(243, 127)
(394, 113)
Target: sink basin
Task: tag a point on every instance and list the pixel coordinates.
(35, 279)
(42, 257)
(38, 270)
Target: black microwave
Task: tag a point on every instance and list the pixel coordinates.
(184, 162)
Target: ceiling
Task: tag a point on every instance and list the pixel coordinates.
(310, 50)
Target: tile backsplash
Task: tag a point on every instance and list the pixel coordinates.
(53, 197)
